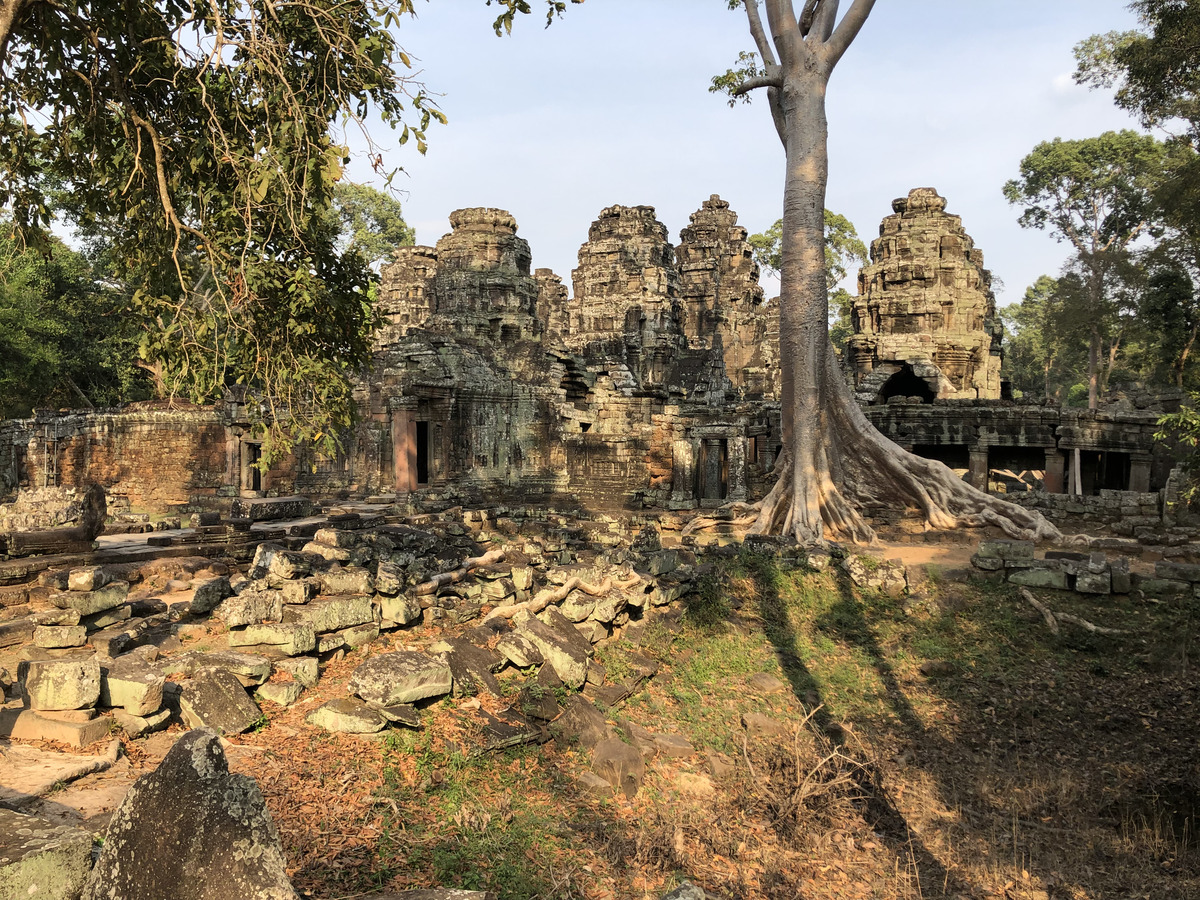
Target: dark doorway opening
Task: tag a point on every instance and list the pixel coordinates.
(251, 473)
(906, 383)
(422, 453)
(713, 470)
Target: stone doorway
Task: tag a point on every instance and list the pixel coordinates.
(712, 472)
(250, 471)
(907, 383)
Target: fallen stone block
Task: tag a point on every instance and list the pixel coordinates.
(327, 614)
(347, 716)
(56, 617)
(138, 726)
(297, 593)
(348, 580)
(190, 830)
(580, 723)
(60, 683)
(28, 725)
(389, 579)
(88, 603)
(108, 618)
(289, 565)
(214, 698)
(402, 610)
(292, 639)
(303, 669)
(557, 649)
(251, 607)
(401, 677)
(619, 764)
(134, 686)
(54, 637)
(1092, 583)
(1039, 578)
(999, 548)
(281, 693)
(334, 537)
(41, 860)
(87, 578)
(471, 667)
(207, 595)
(16, 631)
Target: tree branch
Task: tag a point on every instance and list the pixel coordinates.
(848, 30)
(823, 21)
(773, 79)
(806, 17)
(765, 50)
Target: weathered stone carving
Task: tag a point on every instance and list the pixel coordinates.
(925, 321)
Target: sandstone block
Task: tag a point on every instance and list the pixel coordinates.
(619, 764)
(51, 637)
(281, 693)
(89, 578)
(137, 726)
(1005, 549)
(347, 716)
(333, 613)
(60, 683)
(137, 688)
(190, 830)
(87, 603)
(292, 639)
(1039, 578)
(520, 650)
(401, 677)
(302, 669)
(289, 565)
(28, 725)
(389, 579)
(208, 594)
(403, 610)
(250, 608)
(214, 698)
(557, 649)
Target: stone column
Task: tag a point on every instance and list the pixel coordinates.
(683, 462)
(1056, 464)
(738, 457)
(977, 473)
(712, 470)
(1139, 472)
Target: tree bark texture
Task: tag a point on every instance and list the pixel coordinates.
(834, 461)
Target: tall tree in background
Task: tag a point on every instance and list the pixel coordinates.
(1097, 195)
(205, 142)
(833, 459)
(371, 222)
(844, 253)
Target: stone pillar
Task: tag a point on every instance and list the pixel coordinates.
(1056, 464)
(1139, 472)
(738, 458)
(712, 470)
(977, 473)
(683, 476)
(404, 450)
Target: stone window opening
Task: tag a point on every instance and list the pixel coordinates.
(906, 383)
(585, 427)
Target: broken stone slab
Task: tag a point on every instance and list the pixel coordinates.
(54, 637)
(403, 610)
(1177, 571)
(214, 698)
(1039, 578)
(251, 607)
(56, 617)
(471, 667)
(580, 723)
(1120, 576)
(207, 595)
(578, 606)
(608, 607)
(619, 764)
(686, 891)
(593, 631)
(106, 619)
(347, 580)
(51, 684)
(389, 579)
(297, 593)
(347, 716)
(138, 726)
(591, 783)
(289, 565)
(271, 509)
(134, 686)
(191, 830)
(539, 699)
(401, 677)
(556, 649)
(400, 714)
(29, 773)
(16, 631)
(304, 670)
(87, 603)
(28, 725)
(329, 554)
(999, 548)
(1092, 583)
(673, 745)
(281, 693)
(39, 859)
(335, 537)
(358, 635)
(291, 639)
(87, 578)
(327, 614)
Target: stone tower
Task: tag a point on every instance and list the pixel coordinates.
(925, 322)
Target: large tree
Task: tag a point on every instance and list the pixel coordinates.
(1097, 195)
(833, 459)
(205, 142)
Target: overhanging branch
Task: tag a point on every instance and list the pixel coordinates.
(848, 29)
(773, 79)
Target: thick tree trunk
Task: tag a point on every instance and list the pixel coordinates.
(834, 460)
(10, 11)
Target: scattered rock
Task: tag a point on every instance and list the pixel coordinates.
(39, 859)
(60, 683)
(190, 830)
(215, 699)
(401, 677)
(619, 764)
(347, 716)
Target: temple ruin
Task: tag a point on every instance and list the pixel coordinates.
(651, 384)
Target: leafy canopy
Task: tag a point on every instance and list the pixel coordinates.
(205, 143)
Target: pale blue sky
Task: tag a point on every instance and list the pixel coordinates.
(610, 105)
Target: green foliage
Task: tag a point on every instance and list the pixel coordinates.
(1183, 429)
(66, 335)
(844, 251)
(368, 221)
(748, 67)
(205, 144)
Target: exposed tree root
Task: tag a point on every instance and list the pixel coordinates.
(488, 559)
(1052, 618)
(556, 595)
(837, 465)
